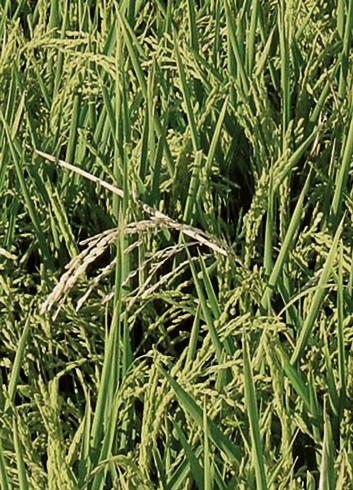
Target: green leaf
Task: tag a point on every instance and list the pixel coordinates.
(195, 412)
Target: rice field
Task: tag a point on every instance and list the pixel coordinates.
(176, 212)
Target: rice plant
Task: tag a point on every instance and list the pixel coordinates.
(175, 244)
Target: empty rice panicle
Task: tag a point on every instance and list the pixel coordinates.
(105, 271)
(77, 267)
(200, 236)
(155, 262)
(97, 244)
(146, 290)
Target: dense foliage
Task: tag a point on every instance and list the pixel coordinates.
(175, 244)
